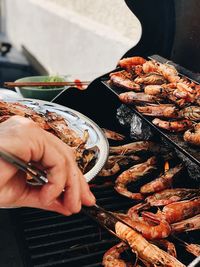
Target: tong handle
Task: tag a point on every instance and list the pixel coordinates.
(38, 175)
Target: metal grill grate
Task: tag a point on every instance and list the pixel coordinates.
(54, 240)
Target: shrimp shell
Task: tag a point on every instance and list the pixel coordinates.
(112, 257)
(144, 249)
(187, 225)
(123, 79)
(192, 136)
(134, 147)
(173, 126)
(150, 78)
(132, 97)
(113, 135)
(171, 195)
(191, 113)
(162, 110)
(193, 249)
(129, 62)
(131, 175)
(162, 182)
(177, 211)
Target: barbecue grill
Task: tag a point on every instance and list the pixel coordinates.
(36, 238)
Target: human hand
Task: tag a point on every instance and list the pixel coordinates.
(23, 138)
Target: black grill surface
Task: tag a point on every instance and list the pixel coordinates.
(50, 239)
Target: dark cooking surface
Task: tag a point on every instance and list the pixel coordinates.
(45, 239)
(49, 239)
(176, 139)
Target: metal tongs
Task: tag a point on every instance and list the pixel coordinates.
(37, 175)
(105, 218)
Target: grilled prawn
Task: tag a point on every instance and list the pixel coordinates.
(177, 211)
(163, 198)
(192, 136)
(134, 147)
(186, 225)
(132, 97)
(192, 113)
(112, 257)
(123, 79)
(162, 110)
(115, 162)
(130, 62)
(150, 78)
(133, 174)
(173, 126)
(162, 182)
(144, 249)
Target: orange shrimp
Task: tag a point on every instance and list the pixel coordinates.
(112, 257)
(145, 250)
(134, 147)
(129, 62)
(113, 135)
(173, 126)
(177, 211)
(192, 136)
(161, 110)
(187, 225)
(132, 97)
(131, 175)
(150, 232)
(162, 182)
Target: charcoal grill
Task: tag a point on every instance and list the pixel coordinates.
(36, 238)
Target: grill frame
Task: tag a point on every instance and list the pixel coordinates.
(32, 232)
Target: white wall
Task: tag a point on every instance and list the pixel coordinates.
(72, 36)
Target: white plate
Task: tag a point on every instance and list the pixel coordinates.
(79, 123)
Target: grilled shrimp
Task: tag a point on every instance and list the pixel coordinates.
(169, 72)
(150, 232)
(162, 198)
(11, 109)
(150, 66)
(191, 113)
(134, 147)
(129, 62)
(123, 79)
(150, 78)
(112, 257)
(133, 174)
(162, 110)
(113, 135)
(58, 124)
(192, 136)
(187, 225)
(162, 182)
(144, 249)
(171, 195)
(169, 246)
(155, 89)
(177, 211)
(114, 163)
(132, 97)
(194, 249)
(173, 126)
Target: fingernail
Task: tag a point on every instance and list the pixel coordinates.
(92, 196)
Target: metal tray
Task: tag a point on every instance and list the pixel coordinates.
(78, 122)
(176, 139)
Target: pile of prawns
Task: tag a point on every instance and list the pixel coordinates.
(178, 209)
(55, 124)
(157, 90)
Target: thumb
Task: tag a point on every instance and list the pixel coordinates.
(7, 171)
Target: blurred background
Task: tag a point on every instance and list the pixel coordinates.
(78, 37)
